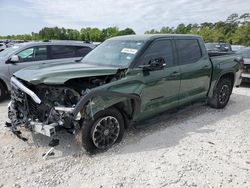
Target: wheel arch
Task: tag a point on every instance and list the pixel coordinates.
(127, 109)
(97, 100)
(228, 74)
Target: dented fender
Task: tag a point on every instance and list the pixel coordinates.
(104, 99)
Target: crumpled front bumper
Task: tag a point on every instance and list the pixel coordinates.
(38, 127)
(19, 111)
(18, 117)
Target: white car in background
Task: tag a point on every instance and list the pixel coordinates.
(245, 53)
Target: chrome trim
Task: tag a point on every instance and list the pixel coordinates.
(26, 90)
(64, 109)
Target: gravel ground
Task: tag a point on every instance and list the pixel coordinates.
(197, 147)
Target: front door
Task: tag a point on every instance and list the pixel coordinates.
(161, 87)
(28, 57)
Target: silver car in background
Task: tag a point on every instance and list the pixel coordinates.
(245, 53)
(27, 54)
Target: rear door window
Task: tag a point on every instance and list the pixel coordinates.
(62, 51)
(188, 51)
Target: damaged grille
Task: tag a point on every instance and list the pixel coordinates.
(24, 107)
(34, 111)
(18, 115)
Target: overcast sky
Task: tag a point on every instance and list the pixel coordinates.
(25, 16)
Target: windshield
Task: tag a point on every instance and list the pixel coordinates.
(119, 53)
(8, 51)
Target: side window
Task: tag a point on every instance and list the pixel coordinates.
(33, 54)
(81, 51)
(60, 51)
(41, 53)
(188, 51)
(159, 49)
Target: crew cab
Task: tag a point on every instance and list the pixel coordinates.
(124, 80)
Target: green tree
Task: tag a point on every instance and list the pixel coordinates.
(242, 35)
(72, 34)
(127, 31)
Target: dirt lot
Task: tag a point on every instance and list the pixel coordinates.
(197, 147)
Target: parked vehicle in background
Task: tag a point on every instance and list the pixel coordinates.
(2, 46)
(125, 79)
(245, 53)
(218, 47)
(23, 55)
(237, 48)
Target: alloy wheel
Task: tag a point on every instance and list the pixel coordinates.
(105, 132)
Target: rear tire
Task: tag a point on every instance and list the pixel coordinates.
(2, 92)
(103, 131)
(221, 94)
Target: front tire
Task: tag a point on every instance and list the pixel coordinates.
(221, 94)
(103, 131)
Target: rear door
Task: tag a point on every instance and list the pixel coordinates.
(161, 87)
(62, 53)
(28, 57)
(195, 69)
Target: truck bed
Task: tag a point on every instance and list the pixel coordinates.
(214, 53)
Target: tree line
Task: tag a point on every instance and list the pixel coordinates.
(235, 30)
(85, 34)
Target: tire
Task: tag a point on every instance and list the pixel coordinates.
(98, 135)
(2, 92)
(221, 94)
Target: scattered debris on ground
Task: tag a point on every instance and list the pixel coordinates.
(199, 147)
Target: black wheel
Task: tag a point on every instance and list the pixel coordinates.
(103, 131)
(221, 94)
(2, 92)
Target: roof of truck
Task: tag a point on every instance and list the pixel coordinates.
(147, 37)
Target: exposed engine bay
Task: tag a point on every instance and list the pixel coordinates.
(56, 102)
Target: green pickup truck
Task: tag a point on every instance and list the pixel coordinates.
(124, 80)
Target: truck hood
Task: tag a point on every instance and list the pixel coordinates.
(60, 73)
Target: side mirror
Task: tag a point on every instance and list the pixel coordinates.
(14, 59)
(155, 64)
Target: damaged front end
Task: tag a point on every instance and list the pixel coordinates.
(46, 108)
(43, 110)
